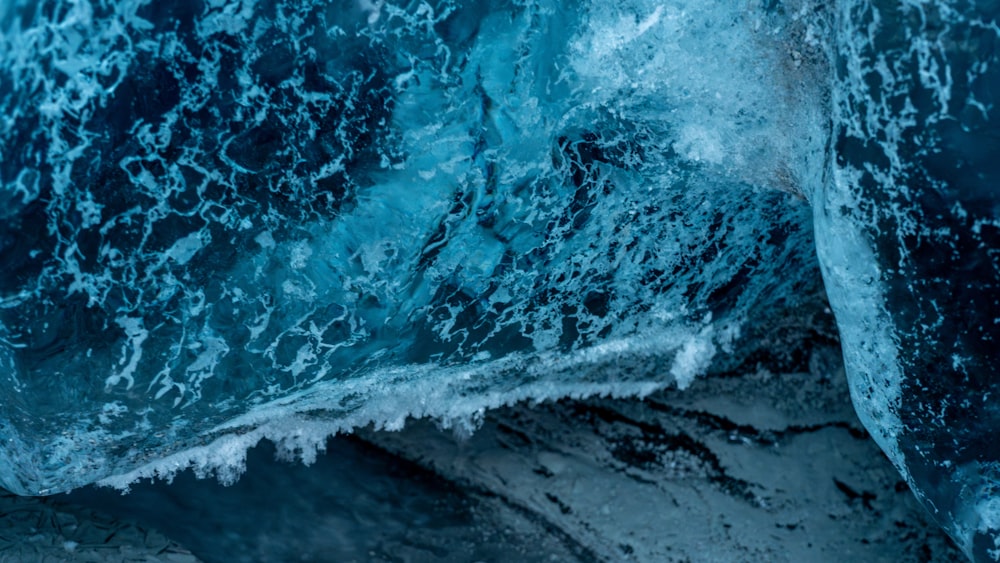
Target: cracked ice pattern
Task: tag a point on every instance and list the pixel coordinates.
(230, 219)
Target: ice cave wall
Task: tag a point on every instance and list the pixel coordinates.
(229, 219)
(907, 232)
(232, 216)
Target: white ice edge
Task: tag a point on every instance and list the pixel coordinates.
(387, 398)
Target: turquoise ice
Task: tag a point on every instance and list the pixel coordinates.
(228, 220)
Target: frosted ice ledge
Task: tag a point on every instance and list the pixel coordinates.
(231, 220)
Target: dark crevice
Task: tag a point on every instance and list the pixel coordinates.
(866, 496)
(657, 439)
(475, 490)
(752, 433)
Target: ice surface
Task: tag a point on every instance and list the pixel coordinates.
(907, 233)
(229, 220)
(233, 220)
(682, 475)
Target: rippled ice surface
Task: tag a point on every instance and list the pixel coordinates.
(680, 476)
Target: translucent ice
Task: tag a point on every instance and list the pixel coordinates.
(907, 233)
(235, 219)
(230, 219)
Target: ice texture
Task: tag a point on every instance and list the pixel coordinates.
(908, 234)
(225, 220)
(231, 220)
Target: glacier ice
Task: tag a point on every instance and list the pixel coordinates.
(253, 218)
(908, 237)
(233, 219)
